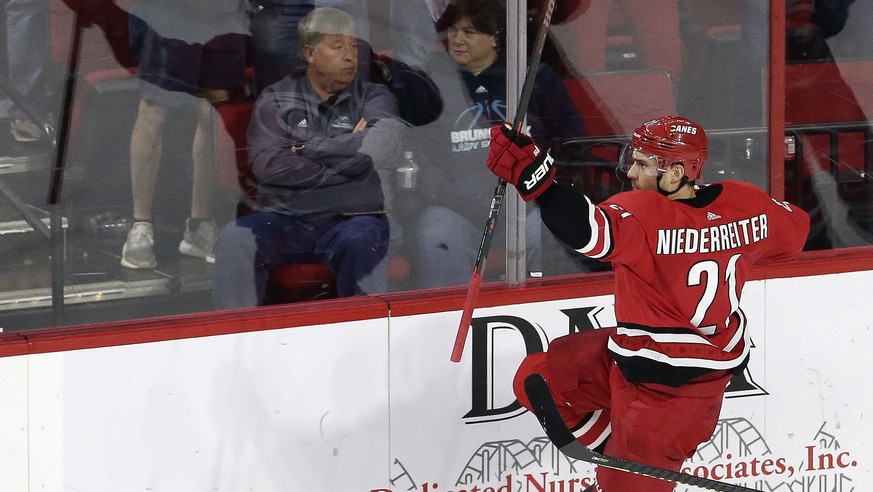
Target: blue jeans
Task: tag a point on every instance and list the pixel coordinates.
(448, 243)
(274, 43)
(275, 53)
(28, 52)
(355, 249)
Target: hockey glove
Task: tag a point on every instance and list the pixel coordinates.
(519, 161)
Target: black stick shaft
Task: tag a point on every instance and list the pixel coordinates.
(520, 113)
(500, 190)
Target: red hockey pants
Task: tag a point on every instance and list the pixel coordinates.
(650, 423)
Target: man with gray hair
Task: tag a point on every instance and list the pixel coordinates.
(315, 140)
(274, 25)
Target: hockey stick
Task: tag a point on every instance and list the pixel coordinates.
(544, 408)
(500, 190)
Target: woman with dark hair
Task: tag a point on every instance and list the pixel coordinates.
(471, 74)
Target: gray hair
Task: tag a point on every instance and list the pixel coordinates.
(321, 21)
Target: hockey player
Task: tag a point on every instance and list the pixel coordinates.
(650, 390)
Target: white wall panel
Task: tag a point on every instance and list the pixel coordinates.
(377, 405)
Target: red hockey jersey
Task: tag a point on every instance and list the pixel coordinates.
(680, 267)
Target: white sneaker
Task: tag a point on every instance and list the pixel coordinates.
(138, 251)
(199, 243)
(25, 130)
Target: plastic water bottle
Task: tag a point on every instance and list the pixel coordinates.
(407, 172)
(751, 150)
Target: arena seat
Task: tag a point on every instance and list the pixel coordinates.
(828, 108)
(827, 92)
(831, 104)
(615, 103)
(612, 104)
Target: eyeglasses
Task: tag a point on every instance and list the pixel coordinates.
(468, 31)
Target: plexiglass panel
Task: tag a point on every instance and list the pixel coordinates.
(828, 109)
(338, 153)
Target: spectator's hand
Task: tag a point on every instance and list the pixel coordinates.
(360, 126)
(518, 160)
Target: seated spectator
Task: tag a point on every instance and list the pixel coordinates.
(455, 190)
(274, 27)
(316, 141)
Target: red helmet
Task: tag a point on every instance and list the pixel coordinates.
(672, 139)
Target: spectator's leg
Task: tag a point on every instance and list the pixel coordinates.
(356, 250)
(447, 244)
(248, 248)
(274, 43)
(28, 50)
(203, 158)
(146, 145)
(239, 280)
(28, 54)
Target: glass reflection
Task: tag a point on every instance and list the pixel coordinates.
(145, 144)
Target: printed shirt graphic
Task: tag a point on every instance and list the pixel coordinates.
(679, 273)
(472, 128)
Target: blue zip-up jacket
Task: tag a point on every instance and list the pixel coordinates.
(334, 174)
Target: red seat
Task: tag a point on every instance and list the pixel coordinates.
(822, 102)
(616, 103)
(300, 282)
(828, 107)
(613, 105)
(824, 93)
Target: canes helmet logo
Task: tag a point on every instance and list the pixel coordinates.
(684, 129)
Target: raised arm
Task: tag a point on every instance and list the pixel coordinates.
(520, 162)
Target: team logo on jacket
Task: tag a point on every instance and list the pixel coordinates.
(342, 123)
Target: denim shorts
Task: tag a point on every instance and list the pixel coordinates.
(168, 66)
